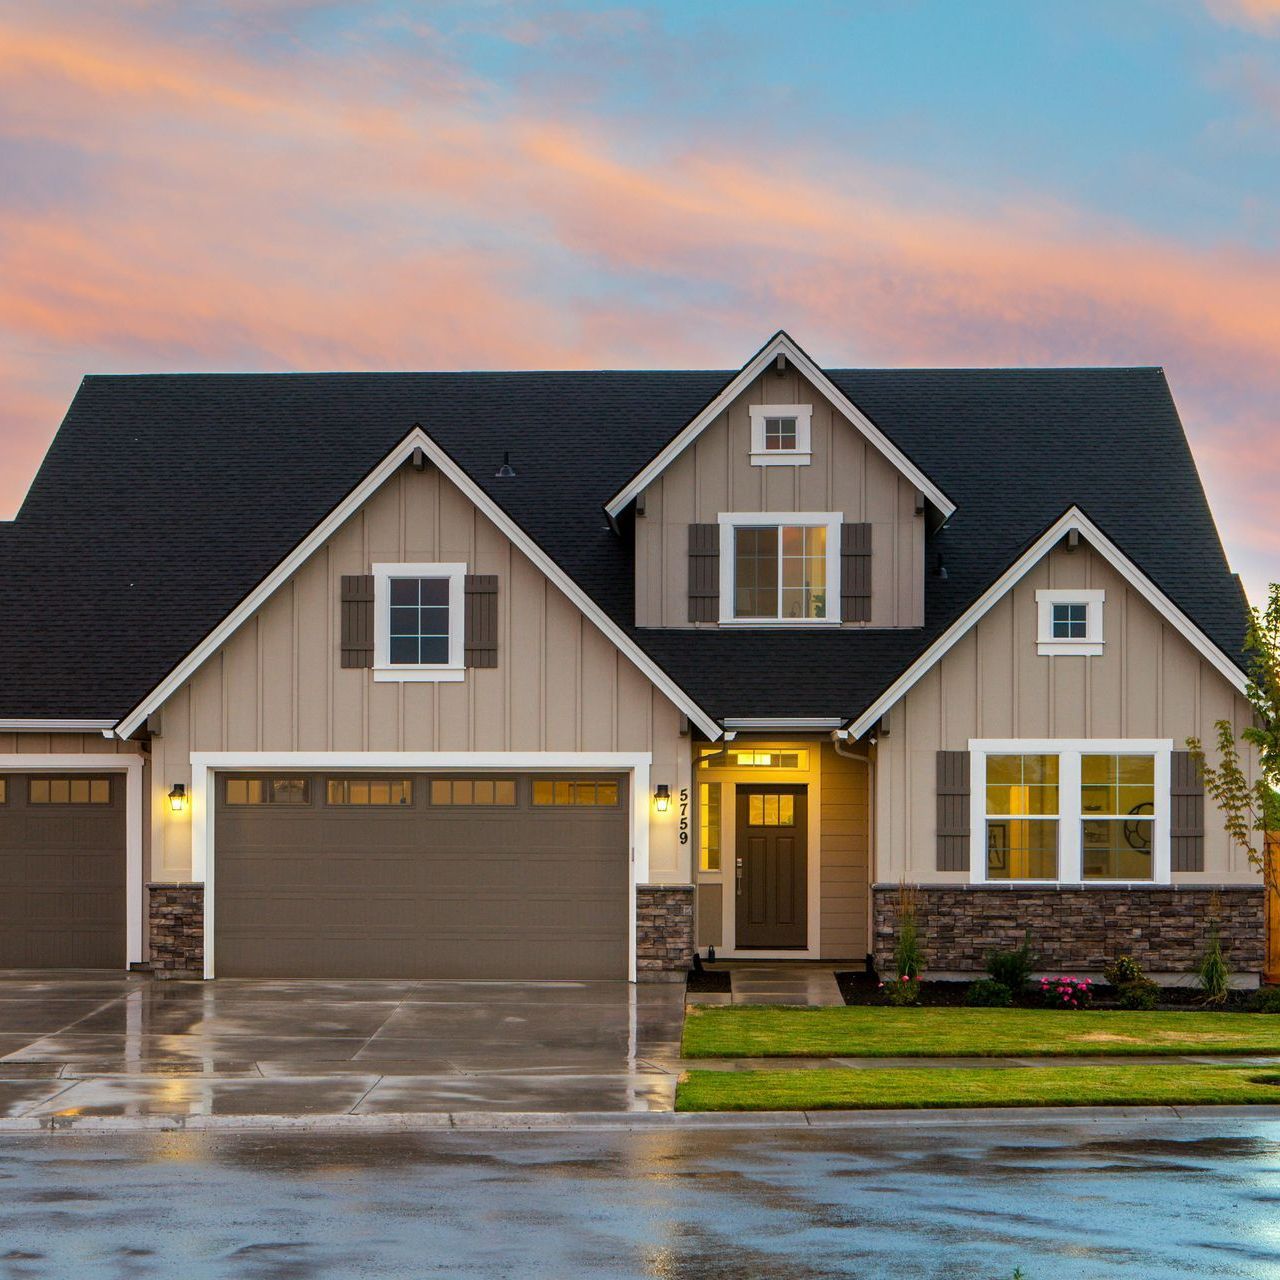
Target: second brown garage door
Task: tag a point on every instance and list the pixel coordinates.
(421, 875)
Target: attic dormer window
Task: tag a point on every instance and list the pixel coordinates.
(780, 435)
(1069, 622)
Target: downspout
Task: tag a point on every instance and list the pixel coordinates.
(839, 741)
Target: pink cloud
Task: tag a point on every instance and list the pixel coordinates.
(1254, 15)
(382, 210)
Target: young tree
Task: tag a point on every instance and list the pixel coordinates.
(1251, 810)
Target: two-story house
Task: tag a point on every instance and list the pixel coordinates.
(560, 675)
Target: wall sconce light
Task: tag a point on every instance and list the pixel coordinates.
(178, 797)
(662, 798)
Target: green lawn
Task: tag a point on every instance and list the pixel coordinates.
(1121, 1084)
(763, 1031)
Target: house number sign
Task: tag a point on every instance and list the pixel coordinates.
(684, 815)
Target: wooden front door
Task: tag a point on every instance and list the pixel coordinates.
(771, 872)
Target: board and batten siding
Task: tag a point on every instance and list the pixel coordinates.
(1148, 683)
(715, 474)
(278, 683)
(845, 856)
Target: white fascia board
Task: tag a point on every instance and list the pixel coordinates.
(781, 344)
(778, 724)
(1072, 519)
(57, 726)
(416, 439)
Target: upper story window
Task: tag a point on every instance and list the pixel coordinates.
(779, 569)
(780, 434)
(418, 621)
(1069, 621)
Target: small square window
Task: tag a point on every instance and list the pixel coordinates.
(1069, 622)
(779, 434)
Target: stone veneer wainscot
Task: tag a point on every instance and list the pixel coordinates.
(664, 932)
(1165, 929)
(175, 914)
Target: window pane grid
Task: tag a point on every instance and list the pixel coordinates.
(418, 631)
(69, 791)
(1070, 621)
(1022, 806)
(1118, 845)
(771, 810)
(250, 791)
(473, 791)
(779, 434)
(753, 758)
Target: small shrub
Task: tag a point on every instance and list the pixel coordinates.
(1214, 973)
(1121, 971)
(1138, 995)
(1013, 968)
(1066, 993)
(987, 993)
(908, 953)
(902, 991)
(1265, 1000)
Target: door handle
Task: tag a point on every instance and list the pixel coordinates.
(739, 876)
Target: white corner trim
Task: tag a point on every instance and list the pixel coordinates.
(762, 455)
(106, 762)
(383, 668)
(416, 439)
(780, 344)
(1091, 644)
(731, 520)
(204, 764)
(1074, 518)
(1069, 817)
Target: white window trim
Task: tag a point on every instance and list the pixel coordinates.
(383, 668)
(801, 455)
(1069, 751)
(731, 520)
(1050, 646)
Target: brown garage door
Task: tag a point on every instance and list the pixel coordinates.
(418, 875)
(62, 871)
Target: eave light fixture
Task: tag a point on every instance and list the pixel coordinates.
(178, 797)
(662, 798)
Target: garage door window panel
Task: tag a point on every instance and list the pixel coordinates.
(69, 791)
(369, 791)
(571, 793)
(496, 792)
(255, 791)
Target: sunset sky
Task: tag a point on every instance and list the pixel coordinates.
(277, 184)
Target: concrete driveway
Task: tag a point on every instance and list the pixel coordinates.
(105, 1044)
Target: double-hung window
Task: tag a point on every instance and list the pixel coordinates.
(780, 568)
(1070, 811)
(418, 621)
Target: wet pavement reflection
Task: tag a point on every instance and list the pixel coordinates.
(1101, 1199)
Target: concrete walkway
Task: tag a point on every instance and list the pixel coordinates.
(752, 982)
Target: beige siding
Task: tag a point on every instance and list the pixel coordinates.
(714, 475)
(845, 856)
(63, 744)
(1149, 683)
(710, 909)
(277, 684)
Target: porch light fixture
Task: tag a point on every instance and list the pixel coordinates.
(662, 798)
(178, 797)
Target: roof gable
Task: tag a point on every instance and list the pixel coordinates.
(780, 345)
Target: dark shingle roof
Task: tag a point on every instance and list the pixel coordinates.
(165, 498)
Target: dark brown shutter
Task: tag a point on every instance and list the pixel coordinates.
(481, 642)
(855, 572)
(953, 811)
(1186, 813)
(704, 573)
(357, 620)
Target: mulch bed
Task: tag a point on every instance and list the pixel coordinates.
(864, 988)
(709, 981)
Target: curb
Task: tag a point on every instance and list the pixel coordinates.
(622, 1122)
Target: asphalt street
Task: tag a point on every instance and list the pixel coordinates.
(1077, 1201)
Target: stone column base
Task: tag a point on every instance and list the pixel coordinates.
(175, 914)
(1073, 930)
(664, 932)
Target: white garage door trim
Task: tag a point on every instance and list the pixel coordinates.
(131, 767)
(204, 763)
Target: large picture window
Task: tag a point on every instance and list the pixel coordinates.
(780, 569)
(1071, 811)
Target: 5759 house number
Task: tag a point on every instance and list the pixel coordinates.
(684, 815)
